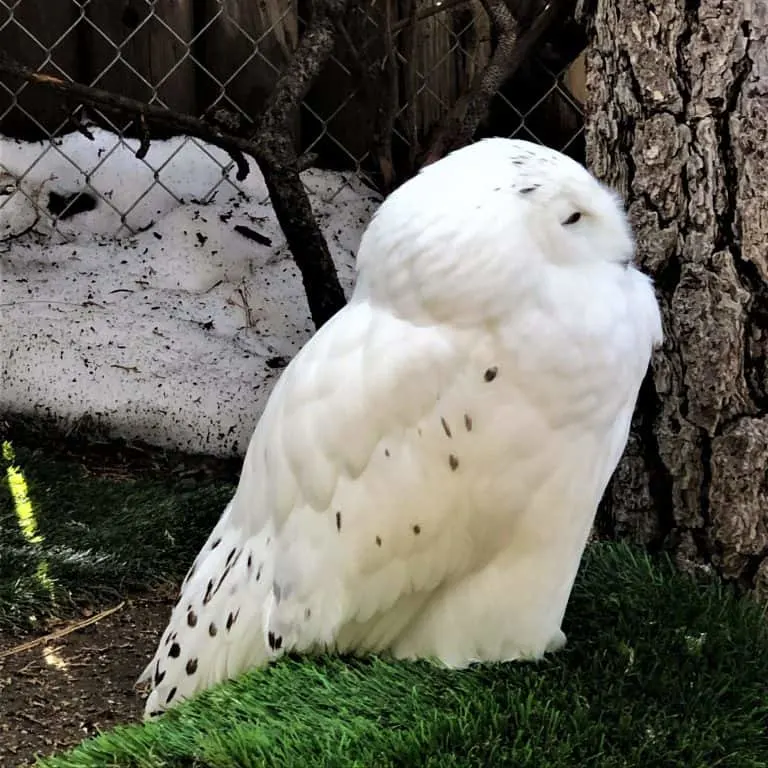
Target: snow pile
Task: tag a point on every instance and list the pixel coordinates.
(174, 330)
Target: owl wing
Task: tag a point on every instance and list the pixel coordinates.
(353, 468)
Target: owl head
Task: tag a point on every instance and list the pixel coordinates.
(486, 224)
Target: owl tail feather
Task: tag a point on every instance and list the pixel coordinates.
(216, 629)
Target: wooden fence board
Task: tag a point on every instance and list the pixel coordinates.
(151, 40)
(43, 21)
(244, 46)
(195, 54)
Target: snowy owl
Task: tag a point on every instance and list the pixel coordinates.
(424, 477)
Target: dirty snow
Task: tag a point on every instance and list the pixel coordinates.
(169, 326)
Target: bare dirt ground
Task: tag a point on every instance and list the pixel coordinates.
(64, 690)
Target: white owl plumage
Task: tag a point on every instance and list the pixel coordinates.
(426, 472)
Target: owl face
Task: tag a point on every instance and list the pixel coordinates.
(475, 232)
(566, 211)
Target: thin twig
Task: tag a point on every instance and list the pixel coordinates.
(60, 633)
(375, 83)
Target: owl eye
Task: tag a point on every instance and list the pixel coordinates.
(572, 219)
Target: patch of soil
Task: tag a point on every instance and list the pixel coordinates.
(65, 690)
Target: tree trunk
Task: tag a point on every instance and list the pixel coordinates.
(678, 124)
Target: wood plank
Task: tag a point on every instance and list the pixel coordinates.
(139, 50)
(35, 27)
(244, 47)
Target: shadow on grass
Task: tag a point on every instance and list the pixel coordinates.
(69, 537)
(659, 671)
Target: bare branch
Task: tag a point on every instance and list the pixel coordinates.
(277, 158)
(314, 50)
(461, 123)
(143, 113)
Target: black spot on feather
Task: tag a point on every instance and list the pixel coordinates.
(192, 619)
(215, 543)
(231, 619)
(191, 666)
(453, 462)
(338, 521)
(250, 560)
(446, 428)
(378, 541)
(468, 422)
(175, 651)
(208, 592)
(158, 675)
(386, 452)
(490, 373)
(212, 630)
(230, 555)
(170, 695)
(258, 572)
(416, 530)
(528, 190)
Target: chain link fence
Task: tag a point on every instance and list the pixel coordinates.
(223, 57)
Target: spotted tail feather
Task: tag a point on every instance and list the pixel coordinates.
(216, 629)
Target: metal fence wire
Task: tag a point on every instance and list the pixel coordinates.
(198, 57)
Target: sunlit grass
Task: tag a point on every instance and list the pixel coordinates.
(17, 485)
(25, 514)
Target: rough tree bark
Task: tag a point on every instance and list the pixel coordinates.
(678, 123)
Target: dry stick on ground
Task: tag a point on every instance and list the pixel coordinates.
(270, 145)
(462, 121)
(61, 632)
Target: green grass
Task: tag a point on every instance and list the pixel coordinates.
(659, 670)
(68, 537)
